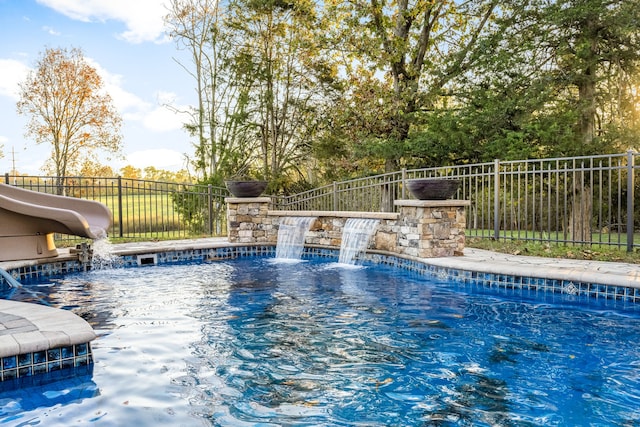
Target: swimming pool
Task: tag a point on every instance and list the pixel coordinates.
(253, 342)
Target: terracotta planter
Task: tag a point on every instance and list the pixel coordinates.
(246, 188)
(433, 188)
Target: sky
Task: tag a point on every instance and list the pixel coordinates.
(126, 42)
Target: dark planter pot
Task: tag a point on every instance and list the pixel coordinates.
(246, 188)
(433, 188)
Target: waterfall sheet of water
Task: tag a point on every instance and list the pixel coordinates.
(355, 238)
(291, 235)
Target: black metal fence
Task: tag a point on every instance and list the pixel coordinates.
(578, 200)
(143, 209)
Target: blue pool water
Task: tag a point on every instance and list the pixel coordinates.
(252, 342)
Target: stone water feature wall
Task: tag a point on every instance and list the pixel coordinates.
(421, 228)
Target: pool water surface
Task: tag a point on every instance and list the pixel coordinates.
(253, 342)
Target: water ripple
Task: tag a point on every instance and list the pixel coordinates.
(255, 343)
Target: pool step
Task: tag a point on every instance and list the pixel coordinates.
(36, 339)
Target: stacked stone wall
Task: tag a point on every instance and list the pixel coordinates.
(422, 229)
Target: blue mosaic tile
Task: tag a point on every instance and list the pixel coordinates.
(25, 359)
(54, 366)
(39, 357)
(9, 374)
(39, 369)
(9, 362)
(41, 362)
(53, 354)
(67, 352)
(82, 361)
(81, 349)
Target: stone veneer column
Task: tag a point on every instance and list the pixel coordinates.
(431, 228)
(247, 220)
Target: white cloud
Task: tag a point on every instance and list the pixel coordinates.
(12, 72)
(162, 119)
(143, 18)
(161, 158)
(154, 117)
(51, 31)
(167, 114)
(123, 100)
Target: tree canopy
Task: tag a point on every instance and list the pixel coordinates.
(333, 89)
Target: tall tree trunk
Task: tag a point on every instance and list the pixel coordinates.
(580, 221)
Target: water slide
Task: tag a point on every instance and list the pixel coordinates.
(29, 219)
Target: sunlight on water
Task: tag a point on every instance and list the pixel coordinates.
(256, 342)
(284, 261)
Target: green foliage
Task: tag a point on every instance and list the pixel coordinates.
(316, 92)
(192, 208)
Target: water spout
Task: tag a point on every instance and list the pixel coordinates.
(291, 235)
(103, 256)
(355, 238)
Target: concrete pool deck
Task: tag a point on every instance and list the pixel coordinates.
(31, 328)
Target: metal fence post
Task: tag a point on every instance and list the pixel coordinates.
(335, 196)
(404, 185)
(120, 216)
(210, 208)
(630, 202)
(496, 199)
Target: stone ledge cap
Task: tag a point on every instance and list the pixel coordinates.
(432, 203)
(247, 199)
(337, 214)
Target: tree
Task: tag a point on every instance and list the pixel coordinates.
(585, 53)
(559, 82)
(94, 169)
(276, 48)
(131, 172)
(221, 146)
(260, 85)
(64, 96)
(408, 52)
